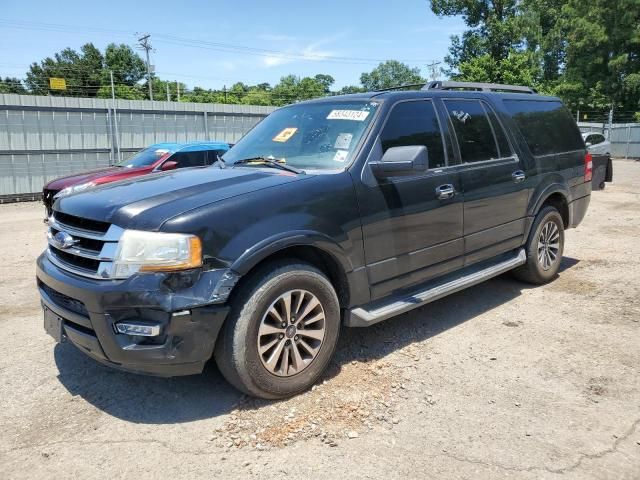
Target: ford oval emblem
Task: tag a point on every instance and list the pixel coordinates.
(63, 240)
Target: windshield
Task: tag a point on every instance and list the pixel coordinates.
(317, 136)
(145, 157)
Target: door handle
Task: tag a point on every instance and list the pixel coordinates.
(445, 191)
(518, 176)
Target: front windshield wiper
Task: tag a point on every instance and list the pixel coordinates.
(270, 162)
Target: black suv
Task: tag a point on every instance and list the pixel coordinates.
(344, 210)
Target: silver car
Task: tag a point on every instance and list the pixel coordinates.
(597, 143)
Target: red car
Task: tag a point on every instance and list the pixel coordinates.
(156, 158)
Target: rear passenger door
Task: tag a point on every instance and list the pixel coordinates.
(492, 180)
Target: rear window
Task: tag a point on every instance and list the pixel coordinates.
(547, 126)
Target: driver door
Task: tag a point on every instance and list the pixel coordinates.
(412, 228)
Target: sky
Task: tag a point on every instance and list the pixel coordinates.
(217, 43)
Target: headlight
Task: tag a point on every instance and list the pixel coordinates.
(140, 251)
(74, 189)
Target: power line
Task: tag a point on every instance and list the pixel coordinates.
(219, 46)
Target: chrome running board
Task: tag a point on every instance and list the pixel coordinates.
(365, 316)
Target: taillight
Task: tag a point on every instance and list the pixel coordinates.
(588, 167)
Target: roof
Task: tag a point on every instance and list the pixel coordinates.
(393, 95)
(194, 146)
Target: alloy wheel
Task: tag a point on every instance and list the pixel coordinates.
(291, 333)
(548, 245)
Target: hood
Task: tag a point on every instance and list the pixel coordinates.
(145, 203)
(109, 174)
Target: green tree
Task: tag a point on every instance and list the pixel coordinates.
(603, 51)
(390, 74)
(87, 72)
(291, 89)
(12, 85)
(350, 89)
(124, 92)
(201, 95)
(494, 28)
(83, 72)
(127, 66)
(519, 68)
(544, 35)
(326, 81)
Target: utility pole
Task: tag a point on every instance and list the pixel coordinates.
(435, 72)
(178, 89)
(143, 43)
(168, 96)
(115, 115)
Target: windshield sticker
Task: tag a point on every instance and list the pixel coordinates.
(355, 115)
(343, 142)
(341, 155)
(285, 135)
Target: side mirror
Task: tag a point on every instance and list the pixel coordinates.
(588, 144)
(169, 165)
(401, 162)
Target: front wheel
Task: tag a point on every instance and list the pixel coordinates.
(281, 332)
(544, 248)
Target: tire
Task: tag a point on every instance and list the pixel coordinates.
(243, 351)
(543, 262)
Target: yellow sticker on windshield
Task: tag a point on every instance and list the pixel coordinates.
(285, 135)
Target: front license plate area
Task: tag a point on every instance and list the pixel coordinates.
(54, 325)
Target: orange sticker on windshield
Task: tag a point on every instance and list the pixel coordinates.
(285, 135)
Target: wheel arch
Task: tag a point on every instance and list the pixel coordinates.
(314, 249)
(557, 196)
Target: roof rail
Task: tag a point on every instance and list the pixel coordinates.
(400, 87)
(482, 87)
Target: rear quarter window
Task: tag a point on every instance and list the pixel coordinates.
(547, 126)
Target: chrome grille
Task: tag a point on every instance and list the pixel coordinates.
(93, 247)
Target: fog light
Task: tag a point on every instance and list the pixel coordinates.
(138, 329)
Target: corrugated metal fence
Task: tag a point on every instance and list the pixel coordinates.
(624, 137)
(42, 138)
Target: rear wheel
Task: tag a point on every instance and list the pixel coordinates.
(544, 248)
(281, 332)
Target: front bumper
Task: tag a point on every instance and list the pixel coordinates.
(180, 304)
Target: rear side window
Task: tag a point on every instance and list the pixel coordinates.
(213, 155)
(415, 123)
(478, 138)
(189, 159)
(547, 126)
(595, 139)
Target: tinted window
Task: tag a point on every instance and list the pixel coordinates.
(596, 139)
(212, 155)
(547, 126)
(501, 136)
(473, 130)
(145, 157)
(415, 123)
(189, 159)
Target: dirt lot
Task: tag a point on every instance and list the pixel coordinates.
(502, 380)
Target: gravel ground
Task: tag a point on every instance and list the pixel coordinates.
(502, 380)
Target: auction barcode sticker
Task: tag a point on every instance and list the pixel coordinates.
(356, 115)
